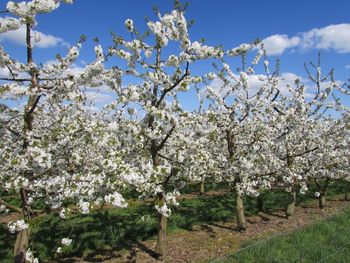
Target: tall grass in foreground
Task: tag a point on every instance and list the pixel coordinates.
(327, 241)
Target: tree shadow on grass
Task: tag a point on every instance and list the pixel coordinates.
(224, 227)
(263, 217)
(107, 233)
(102, 233)
(274, 214)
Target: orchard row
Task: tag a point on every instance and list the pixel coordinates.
(250, 130)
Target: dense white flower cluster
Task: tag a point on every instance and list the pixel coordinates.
(172, 26)
(116, 200)
(28, 10)
(8, 24)
(30, 257)
(243, 48)
(199, 51)
(17, 226)
(163, 210)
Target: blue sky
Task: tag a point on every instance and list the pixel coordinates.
(294, 31)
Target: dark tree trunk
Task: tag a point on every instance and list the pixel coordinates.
(347, 196)
(260, 203)
(322, 200)
(289, 211)
(322, 189)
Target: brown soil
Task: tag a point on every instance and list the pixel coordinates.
(210, 241)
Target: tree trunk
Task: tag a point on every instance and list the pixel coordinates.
(322, 200)
(161, 241)
(201, 190)
(21, 246)
(22, 239)
(347, 196)
(260, 203)
(241, 222)
(289, 211)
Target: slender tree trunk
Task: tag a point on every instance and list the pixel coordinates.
(155, 148)
(289, 211)
(161, 240)
(322, 200)
(22, 240)
(241, 222)
(201, 189)
(347, 194)
(260, 203)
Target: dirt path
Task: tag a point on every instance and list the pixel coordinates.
(209, 241)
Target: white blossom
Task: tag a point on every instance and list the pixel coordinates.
(66, 241)
(129, 24)
(164, 210)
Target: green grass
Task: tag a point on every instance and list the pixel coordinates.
(109, 231)
(328, 240)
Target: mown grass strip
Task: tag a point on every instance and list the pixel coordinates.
(325, 241)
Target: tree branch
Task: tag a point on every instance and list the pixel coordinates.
(36, 101)
(13, 131)
(301, 154)
(12, 207)
(280, 112)
(276, 95)
(167, 90)
(161, 145)
(14, 79)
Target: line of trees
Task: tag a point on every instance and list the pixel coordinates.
(250, 130)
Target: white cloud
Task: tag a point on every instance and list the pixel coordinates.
(4, 73)
(277, 44)
(99, 98)
(334, 37)
(19, 37)
(347, 66)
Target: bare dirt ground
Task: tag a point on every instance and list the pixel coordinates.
(210, 241)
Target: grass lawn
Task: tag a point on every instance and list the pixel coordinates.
(327, 242)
